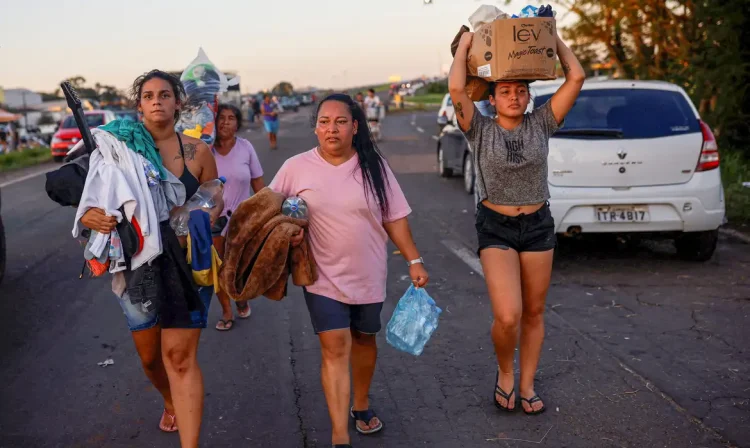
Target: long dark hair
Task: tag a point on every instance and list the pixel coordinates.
(371, 160)
(177, 88)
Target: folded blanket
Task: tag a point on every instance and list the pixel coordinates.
(258, 257)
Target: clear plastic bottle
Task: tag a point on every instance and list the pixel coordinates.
(204, 198)
(295, 207)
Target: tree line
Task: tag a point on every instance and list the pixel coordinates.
(701, 45)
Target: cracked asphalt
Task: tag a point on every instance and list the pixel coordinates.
(642, 349)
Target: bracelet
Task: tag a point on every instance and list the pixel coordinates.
(417, 261)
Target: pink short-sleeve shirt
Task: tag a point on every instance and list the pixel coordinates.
(346, 232)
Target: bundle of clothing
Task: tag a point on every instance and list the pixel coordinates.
(258, 256)
(126, 179)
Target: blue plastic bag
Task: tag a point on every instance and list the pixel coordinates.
(413, 321)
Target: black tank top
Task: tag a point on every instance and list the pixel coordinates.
(188, 180)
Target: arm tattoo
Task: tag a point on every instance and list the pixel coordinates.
(460, 110)
(190, 149)
(565, 67)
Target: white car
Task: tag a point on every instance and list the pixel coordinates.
(446, 112)
(633, 157)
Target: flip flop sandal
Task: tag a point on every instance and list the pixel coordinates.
(242, 310)
(366, 417)
(173, 426)
(228, 324)
(531, 401)
(502, 393)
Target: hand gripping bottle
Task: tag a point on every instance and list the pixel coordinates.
(204, 198)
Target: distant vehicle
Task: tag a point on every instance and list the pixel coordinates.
(446, 112)
(289, 103)
(3, 250)
(68, 134)
(633, 158)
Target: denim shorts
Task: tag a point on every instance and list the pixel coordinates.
(327, 314)
(272, 127)
(138, 319)
(534, 232)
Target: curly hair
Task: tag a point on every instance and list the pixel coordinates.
(177, 88)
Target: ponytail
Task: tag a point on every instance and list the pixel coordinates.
(371, 161)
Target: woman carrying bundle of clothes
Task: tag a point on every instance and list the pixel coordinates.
(355, 205)
(136, 177)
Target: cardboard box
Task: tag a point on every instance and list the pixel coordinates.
(514, 49)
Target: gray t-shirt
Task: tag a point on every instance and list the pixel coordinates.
(511, 166)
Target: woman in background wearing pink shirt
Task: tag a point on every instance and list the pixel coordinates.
(355, 205)
(238, 163)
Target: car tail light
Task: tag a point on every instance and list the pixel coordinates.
(709, 158)
(445, 113)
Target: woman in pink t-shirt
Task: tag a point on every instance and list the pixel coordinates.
(237, 161)
(355, 206)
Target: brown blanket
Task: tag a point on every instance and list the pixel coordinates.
(258, 257)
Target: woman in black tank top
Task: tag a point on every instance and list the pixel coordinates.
(166, 335)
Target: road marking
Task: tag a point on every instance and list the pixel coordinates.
(463, 253)
(435, 137)
(420, 130)
(23, 178)
(735, 234)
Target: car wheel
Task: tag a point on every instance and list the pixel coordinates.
(468, 174)
(58, 159)
(697, 246)
(2, 250)
(442, 169)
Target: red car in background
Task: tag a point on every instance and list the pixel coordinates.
(68, 134)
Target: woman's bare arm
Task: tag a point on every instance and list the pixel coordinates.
(462, 104)
(565, 97)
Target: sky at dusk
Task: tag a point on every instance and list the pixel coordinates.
(324, 43)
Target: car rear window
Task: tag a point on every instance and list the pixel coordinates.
(93, 120)
(636, 113)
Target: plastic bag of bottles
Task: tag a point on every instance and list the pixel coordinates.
(413, 321)
(203, 84)
(206, 198)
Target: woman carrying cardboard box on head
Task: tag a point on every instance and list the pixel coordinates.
(515, 229)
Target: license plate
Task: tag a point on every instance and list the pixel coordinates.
(622, 214)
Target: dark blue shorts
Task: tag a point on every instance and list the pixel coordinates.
(327, 314)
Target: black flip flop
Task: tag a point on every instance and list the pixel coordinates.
(366, 416)
(342, 445)
(226, 322)
(531, 401)
(503, 394)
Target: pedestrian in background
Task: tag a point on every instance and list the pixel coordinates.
(514, 225)
(238, 163)
(355, 205)
(271, 119)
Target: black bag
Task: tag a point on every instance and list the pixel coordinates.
(65, 184)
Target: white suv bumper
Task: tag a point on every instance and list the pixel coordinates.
(695, 206)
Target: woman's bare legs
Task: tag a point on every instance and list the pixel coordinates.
(502, 271)
(148, 345)
(180, 350)
(536, 272)
(336, 348)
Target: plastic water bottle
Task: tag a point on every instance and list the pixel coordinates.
(294, 207)
(204, 198)
(413, 321)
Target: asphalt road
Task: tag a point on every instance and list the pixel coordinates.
(641, 350)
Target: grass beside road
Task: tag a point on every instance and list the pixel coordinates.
(27, 157)
(735, 169)
(427, 98)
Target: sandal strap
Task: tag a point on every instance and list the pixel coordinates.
(504, 394)
(531, 400)
(364, 416)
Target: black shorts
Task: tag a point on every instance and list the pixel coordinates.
(523, 233)
(327, 314)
